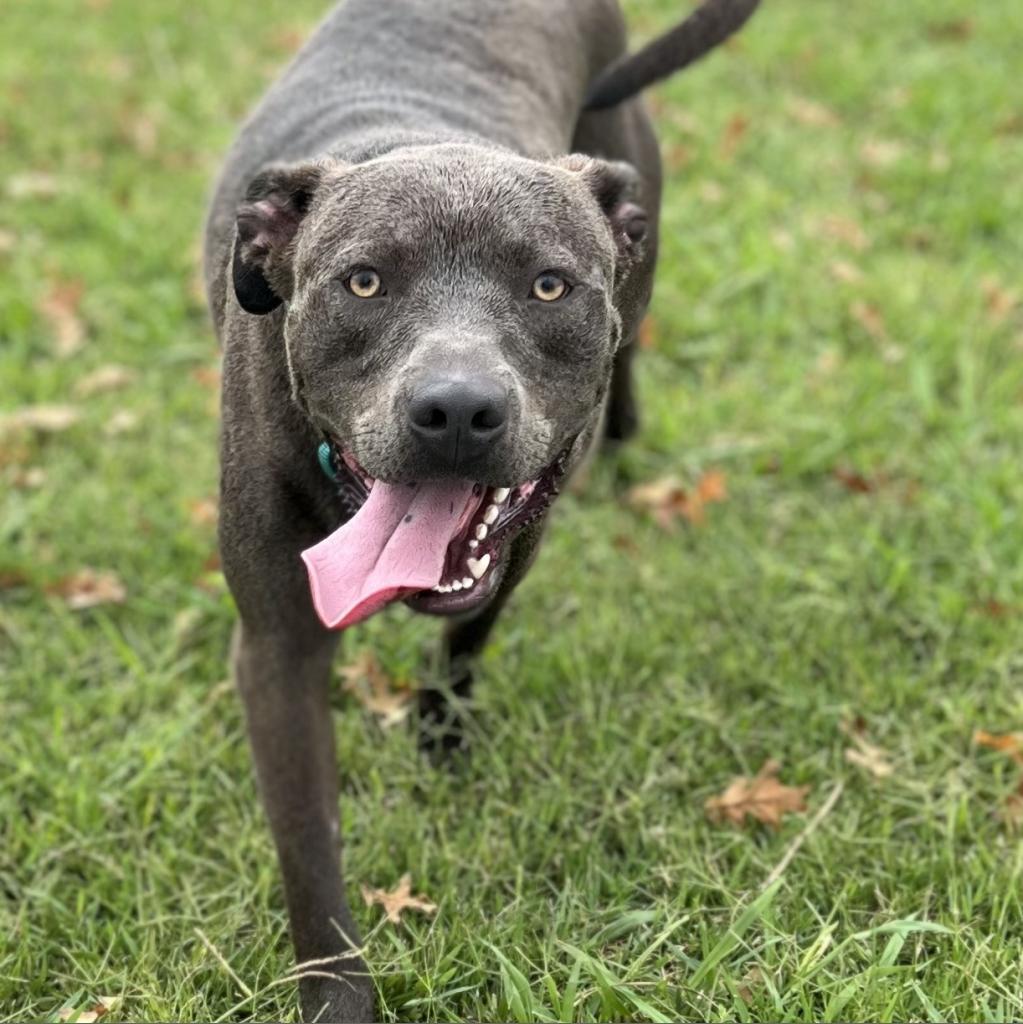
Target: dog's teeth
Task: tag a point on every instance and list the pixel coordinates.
(467, 582)
(501, 494)
(481, 531)
(473, 545)
(478, 566)
(457, 585)
(490, 515)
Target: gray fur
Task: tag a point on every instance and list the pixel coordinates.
(427, 139)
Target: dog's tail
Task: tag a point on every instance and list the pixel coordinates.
(710, 24)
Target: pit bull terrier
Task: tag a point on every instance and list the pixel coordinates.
(427, 258)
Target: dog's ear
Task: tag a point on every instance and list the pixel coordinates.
(615, 185)
(268, 219)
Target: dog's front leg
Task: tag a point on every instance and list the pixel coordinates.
(283, 673)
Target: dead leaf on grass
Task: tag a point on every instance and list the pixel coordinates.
(870, 319)
(882, 153)
(846, 272)
(865, 755)
(105, 378)
(1000, 300)
(398, 900)
(735, 131)
(1009, 743)
(844, 230)
(374, 689)
(762, 798)
(59, 307)
(203, 511)
(89, 588)
(811, 113)
(44, 419)
(122, 422)
(667, 499)
(33, 185)
(102, 1006)
(954, 30)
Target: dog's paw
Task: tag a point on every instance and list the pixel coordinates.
(337, 1000)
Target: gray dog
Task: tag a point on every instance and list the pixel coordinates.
(427, 259)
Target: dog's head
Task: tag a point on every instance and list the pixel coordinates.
(450, 314)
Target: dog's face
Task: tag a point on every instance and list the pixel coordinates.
(450, 309)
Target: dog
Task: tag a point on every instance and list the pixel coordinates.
(427, 258)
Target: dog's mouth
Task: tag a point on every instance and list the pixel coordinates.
(438, 545)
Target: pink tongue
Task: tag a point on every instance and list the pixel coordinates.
(395, 545)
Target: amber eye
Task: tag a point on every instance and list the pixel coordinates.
(365, 283)
(548, 287)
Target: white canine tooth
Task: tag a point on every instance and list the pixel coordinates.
(490, 515)
(457, 585)
(467, 582)
(481, 532)
(501, 494)
(473, 545)
(478, 566)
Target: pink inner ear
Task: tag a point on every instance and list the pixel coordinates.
(631, 220)
(268, 223)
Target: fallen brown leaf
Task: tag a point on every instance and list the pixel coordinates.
(31, 478)
(853, 481)
(398, 900)
(870, 319)
(122, 422)
(955, 30)
(59, 306)
(865, 755)
(762, 797)
(374, 689)
(1009, 743)
(203, 511)
(33, 185)
(88, 588)
(45, 419)
(845, 230)
(100, 1008)
(648, 333)
(207, 377)
(667, 500)
(734, 133)
(847, 273)
(12, 578)
(751, 980)
(882, 152)
(104, 378)
(1000, 301)
(811, 113)
(1012, 810)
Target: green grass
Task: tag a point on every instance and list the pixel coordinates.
(576, 874)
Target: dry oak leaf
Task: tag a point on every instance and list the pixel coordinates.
(1010, 743)
(810, 113)
(762, 797)
(88, 588)
(59, 306)
(398, 900)
(374, 689)
(104, 378)
(667, 500)
(865, 755)
(102, 1006)
(46, 419)
(203, 511)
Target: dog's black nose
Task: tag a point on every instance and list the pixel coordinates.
(459, 418)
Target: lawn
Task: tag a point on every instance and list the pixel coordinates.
(836, 335)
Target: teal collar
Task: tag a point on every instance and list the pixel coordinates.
(323, 453)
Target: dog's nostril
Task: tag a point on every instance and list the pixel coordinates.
(486, 419)
(436, 419)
